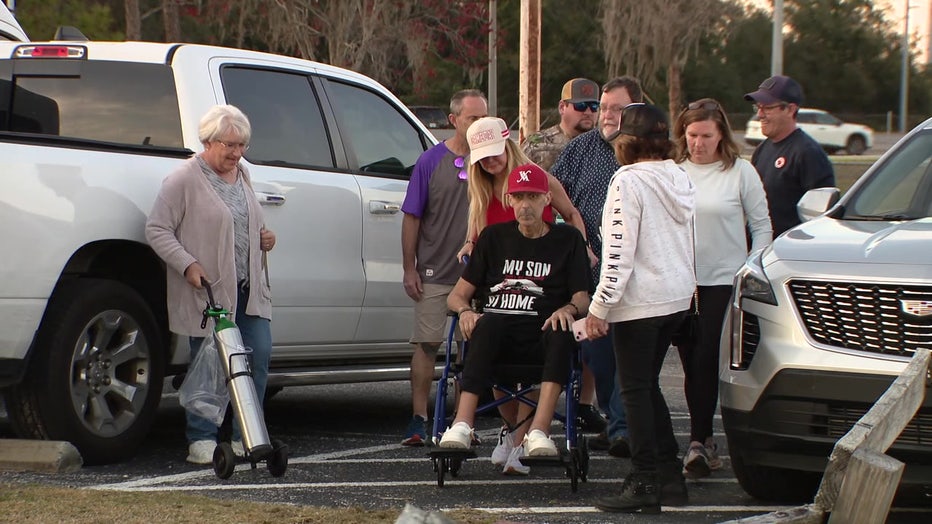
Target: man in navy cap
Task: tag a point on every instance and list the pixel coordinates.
(790, 162)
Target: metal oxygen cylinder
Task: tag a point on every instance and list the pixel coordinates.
(245, 401)
(247, 409)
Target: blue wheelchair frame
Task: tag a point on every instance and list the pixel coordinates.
(574, 457)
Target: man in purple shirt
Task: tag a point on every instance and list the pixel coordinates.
(435, 210)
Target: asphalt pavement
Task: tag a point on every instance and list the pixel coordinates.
(344, 452)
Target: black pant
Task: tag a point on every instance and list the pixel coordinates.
(506, 339)
(640, 348)
(700, 361)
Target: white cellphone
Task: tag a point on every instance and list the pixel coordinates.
(579, 330)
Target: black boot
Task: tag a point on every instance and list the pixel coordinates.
(672, 484)
(640, 493)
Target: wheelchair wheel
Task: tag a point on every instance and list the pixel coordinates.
(572, 471)
(224, 460)
(583, 448)
(442, 467)
(277, 462)
(455, 465)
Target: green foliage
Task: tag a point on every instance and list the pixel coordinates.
(726, 69)
(844, 53)
(40, 18)
(570, 48)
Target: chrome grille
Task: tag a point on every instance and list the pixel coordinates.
(863, 316)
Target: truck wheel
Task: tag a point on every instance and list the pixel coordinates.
(774, 484)
(95, 375)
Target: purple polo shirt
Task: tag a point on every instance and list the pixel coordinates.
(438, 196)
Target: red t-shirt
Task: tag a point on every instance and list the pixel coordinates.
(498, 213)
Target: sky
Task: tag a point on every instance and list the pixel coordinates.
(920, 13)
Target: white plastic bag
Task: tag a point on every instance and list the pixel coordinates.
(204, 390)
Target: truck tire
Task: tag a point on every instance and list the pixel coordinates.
(95, 375)
(774, 484)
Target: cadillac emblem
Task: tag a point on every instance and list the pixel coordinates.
(916, 308)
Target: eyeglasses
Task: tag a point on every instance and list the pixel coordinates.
(460, 163)
(766, 109)
(613, 109)
(230, 145)
(582, 106)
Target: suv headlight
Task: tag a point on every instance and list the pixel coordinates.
(752, 282)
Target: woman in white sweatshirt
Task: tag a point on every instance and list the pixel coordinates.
(644, 290)
(730, 200)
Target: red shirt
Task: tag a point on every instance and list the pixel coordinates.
(498, 213)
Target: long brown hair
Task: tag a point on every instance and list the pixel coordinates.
(700, 111)
(480, 185)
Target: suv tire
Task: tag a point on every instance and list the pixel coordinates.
(774, 484)
(856, 145)
(95, 373)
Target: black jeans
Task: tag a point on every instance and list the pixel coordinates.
(700, 361)
(640, 348)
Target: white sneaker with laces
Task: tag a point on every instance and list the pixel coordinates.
(500, 454)
(457, 436)
(513, 465)
(238, 449)
(538, 444)
(201, 452)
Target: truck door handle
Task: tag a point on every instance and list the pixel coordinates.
(379, 207)
(270, 199)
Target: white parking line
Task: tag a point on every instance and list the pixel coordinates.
(138, 486)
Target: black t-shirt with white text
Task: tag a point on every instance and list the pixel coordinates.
(530, 278)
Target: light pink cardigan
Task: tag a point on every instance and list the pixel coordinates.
(189, 222)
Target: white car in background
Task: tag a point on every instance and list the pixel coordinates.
(827, 129)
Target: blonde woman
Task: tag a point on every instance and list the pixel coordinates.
(492, 156)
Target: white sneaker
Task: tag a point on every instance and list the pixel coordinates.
(238, 449)
(513, 465)
(538, 444)
(201, 452)
(457, 436)
(506, 443)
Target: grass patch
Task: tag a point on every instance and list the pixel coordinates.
(27, 503)
(849, 168)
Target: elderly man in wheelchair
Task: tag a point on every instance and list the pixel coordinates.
(529, 279)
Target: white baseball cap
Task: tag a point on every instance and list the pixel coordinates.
(486, 137)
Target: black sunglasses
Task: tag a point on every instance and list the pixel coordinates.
(708, 106)
(581, 106)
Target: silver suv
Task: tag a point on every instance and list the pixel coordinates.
(824, 319)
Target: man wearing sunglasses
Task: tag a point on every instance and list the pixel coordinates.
(579, 108)
(585, 168)
(790, 162)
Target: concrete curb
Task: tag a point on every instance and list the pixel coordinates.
(42, 456)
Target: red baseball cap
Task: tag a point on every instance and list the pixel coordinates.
(528, 178)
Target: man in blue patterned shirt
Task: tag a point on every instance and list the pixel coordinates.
(585, 168)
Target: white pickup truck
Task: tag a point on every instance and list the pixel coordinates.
(88, 130)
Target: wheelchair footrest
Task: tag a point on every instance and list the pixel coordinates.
(555, 461)
(453, 453)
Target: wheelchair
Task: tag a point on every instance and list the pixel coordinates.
(573, 456)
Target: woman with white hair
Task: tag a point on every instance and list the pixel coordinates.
(206, 223)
